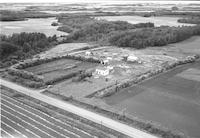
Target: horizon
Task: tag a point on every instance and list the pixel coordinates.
(97, 1)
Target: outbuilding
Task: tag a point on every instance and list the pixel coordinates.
(132, 58)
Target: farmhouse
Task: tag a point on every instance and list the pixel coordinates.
(104, 70)
(88, 53)
(132, 58)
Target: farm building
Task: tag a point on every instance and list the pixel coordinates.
(104, 70)
(104, 61)
(132, 58)
(88, 53)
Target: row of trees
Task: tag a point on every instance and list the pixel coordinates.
(6, 15)
(192, 20)
(147, 37)
(20, 46)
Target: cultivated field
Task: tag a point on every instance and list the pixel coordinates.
(26, 117)
(171, 99)
(20, 120)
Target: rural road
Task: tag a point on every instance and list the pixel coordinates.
(115, 125)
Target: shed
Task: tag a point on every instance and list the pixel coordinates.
(132, 58)
(88, 53)
(102, 71)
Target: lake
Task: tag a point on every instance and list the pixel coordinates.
(42, 25)
(158, 21)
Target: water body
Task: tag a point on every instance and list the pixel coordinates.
(171, 99)
(158, 21)
(42, 25)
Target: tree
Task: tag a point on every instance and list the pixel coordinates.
(7, 48)
(174, 8)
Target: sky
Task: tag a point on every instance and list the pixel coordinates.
(75, 1)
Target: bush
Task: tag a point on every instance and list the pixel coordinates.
(54, 24)
(68, 76)
(82, 76)
(24, 74)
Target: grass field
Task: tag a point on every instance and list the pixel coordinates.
(191, 45)
(63, 49)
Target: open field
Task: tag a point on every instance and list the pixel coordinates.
(188, 46)
(171, 99)
(63, 49)
(20, 120)
(158, 21)
(42, 25)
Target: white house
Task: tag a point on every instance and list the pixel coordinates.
(104, 70)
(104, 61)
(88, 53)
(132, 58)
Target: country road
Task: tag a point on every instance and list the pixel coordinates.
(110, 123)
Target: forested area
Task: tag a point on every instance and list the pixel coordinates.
(192, 20)
(23, 45)
(6, 15)
(124, 34)
(90, 29)
(147, 37)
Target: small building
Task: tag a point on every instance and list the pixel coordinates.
(132, 58)
(88, 53)
(109, 58)
(104, 70)
(104, 61)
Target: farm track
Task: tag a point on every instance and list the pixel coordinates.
(19, 120)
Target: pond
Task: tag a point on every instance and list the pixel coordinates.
(42, 25)
(158, 21)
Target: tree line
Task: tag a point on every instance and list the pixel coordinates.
(192, 20)
(6, 15)
(23, 45)
(159, 36)
(124, 34)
